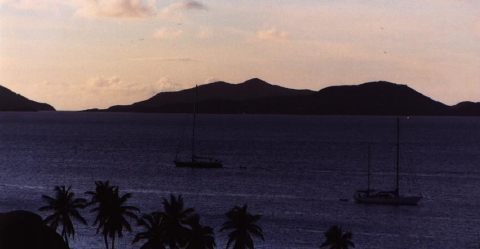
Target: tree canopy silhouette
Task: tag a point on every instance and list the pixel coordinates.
(336, 239)
(154, 231)
(174, 218)
(199, 237)
(242, 225)
(64, 206)
(111, 211)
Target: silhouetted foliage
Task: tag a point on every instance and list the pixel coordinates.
(242, 225)
(154, 231)
(174, 218)
(111, 211)
(102, 195)
(26, 230)
(199, 237)
(64, 206)
(336, 239)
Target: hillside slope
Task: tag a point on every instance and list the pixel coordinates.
(10, 101)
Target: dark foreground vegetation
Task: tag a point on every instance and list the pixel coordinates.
(173, 227)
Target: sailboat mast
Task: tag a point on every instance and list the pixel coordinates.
(194, 119)
(368, 173)
(398, 154)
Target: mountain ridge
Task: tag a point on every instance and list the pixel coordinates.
(256, 96)
(248, 90)
(376, 98)
(11, 101)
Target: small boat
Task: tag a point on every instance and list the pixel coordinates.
(394, 197)
(197, 161)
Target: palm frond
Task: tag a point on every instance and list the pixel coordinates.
(75, 214)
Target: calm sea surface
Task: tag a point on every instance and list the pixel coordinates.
(293, 170)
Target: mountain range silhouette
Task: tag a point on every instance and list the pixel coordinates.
(256, 96)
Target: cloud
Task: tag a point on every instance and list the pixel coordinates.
(96, 92)
(164, 84)
(189, 5)
(115, 8)
(166, 59)
(100, 82)
(43, 5)
(89, 8)
(173, 11)
(272, 34)
(167, 33)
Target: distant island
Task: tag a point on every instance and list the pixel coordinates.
(256, 96)
(10, 101)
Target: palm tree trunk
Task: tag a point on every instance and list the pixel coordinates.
(106, 240)
(113, 242)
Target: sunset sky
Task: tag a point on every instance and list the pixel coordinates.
(79, 54)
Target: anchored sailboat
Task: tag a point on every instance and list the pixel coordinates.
(386, 197)
(197, 161)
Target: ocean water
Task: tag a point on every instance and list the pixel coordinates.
(292, 170)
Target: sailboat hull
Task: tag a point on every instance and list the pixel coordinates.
(370, 196)
(196, 161)
(198, 164)
(396, 200)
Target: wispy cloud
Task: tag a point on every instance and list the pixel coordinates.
(272, 34)
(173, 12)
(36, 5)
(166, 59)
(115, 8)
(189, 5)
(164, 84)
(103, 92)
(165, 33)
(101, 82)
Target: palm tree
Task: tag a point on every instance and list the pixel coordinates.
(154, 234)
(199, 237)
(243, 225)
(111, 211)
(64, 206)
(336, 239)
(174, 218)
(103, 196)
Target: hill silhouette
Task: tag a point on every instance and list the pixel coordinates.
(465, 108)
(10, 101)
(256, 96)
(217, 97)
(374, 98)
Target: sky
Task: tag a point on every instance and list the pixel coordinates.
(81, 54)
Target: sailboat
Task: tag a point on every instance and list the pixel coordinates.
(386, 197)
(197, 161)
